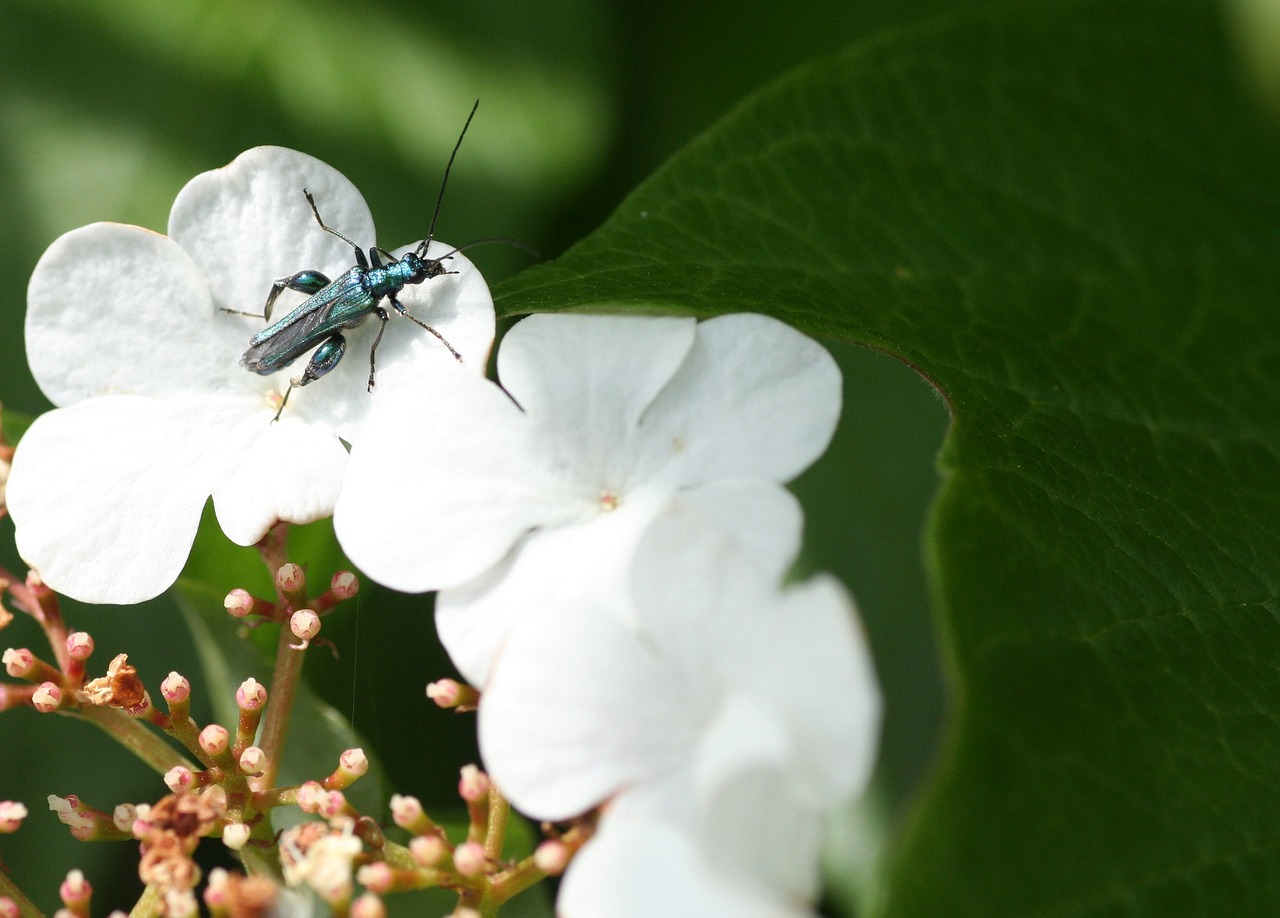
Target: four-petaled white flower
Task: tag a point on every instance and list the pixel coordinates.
(545, 483)
(127, 333)
(723, 715)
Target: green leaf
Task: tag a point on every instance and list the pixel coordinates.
(1065, 214)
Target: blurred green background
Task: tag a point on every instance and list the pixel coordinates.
(107, 107)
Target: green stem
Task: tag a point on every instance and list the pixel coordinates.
(134, 736)
(26, 908)
(149, 905)
(280, 698)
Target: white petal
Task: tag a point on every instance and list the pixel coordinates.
(248, 224)
(753, 398)
(750, 824)
(636, 868)
(551, 567)
(576, 710)
(290, 472)
(587, 379)
(119, 310)
(106, 494)
(440, 486)
(763, 519)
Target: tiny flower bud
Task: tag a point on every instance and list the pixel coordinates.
(251, 695)
(305, 625)
(354, 762)
(18, 661)
(344, 585)
(428, 850)
(5, 618)
(450, 693)
(75, 889)
(11, 815)
(368, 905)
(252, 760)
(46, 698)
(406, 810)
(473, 785)
(214, 739)
(216, 891)
(71, 813)
(551, 857)
(179, 778)
(310, 796)
(291, 578)
(235, 835)
(175, 688)
(468, 859)
(9, 908)
(124, 816)
(79, 645)
(238, 603)
(378, 877)
(332, 804)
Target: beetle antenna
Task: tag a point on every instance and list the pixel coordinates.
(431, 232)
(514, 243)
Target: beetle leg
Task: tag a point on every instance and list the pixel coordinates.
(382, 317)
(408, 315)
(308, 282)
(323, 359)
(329, 229)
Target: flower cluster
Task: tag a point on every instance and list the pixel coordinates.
(608, 532)
(606, 526)
(133, 336)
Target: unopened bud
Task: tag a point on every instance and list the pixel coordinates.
(469, 859)
(238, 603)
(252, 760)
(79, 645)
(551, 857)
(474, 784)
(428, 850)
(345, 585)
(124, 816)
(75, 889)
(179, 778)
(214, 740)
(18, 661)
(9, 908)
(367, 905)
(305, 625)
(251, 695)
(11, 815)
(175, 688)
(378, 877)
(291, 578)
(236, 835)
(450, 693)
(46, 698)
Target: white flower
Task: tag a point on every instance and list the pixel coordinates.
(726, 714)
(545, 483)
(126, 333)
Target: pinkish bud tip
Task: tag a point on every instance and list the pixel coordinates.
(473, 785)
(46, 698)
(79, 645)
(214, 740)
(251, 695)
(238, 603)
(344, 585)
(290, 578)
(175, 688)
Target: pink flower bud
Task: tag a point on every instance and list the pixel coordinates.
(311, 796)
(551, 857)
(9, 908)
(251, 695)
(18, 661)
(291, 578)
(252, 760)
(46, 698)
(305, 625)
(405, 811)
(368, 905)
(345, 585)
(214, 739)
(428, 850)
(79, 646)
(377, 877)
(354, 762)
(124, 816)
(236, 835)
(75, 889)
(469, 859)
(473, 785)
(238, 603)
(179, 778)
(11, 815)
(175, 688)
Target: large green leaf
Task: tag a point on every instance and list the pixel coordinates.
(1067, 215)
